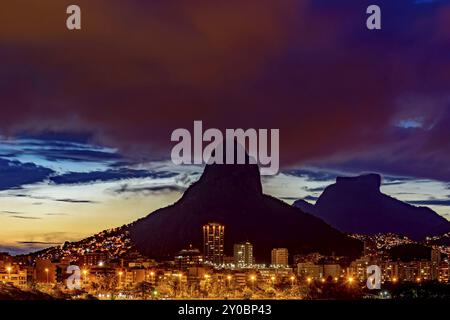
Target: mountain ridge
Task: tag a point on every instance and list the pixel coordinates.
(357, 205)
(232, 195)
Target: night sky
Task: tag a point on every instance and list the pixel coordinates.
(86, 116)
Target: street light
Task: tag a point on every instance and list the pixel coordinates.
(9, 272)
(253, 278)
(309, 280)
(292, 280)
(152, 276)
(46, 271)
(229, 280)
(350, 280)
(84, 274)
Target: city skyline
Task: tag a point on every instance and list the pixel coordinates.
(125, 275)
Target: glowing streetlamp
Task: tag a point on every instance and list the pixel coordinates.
(253, 278)
(272, 278)
(9, 272)
(229, 280)
(152, 276)
(308, 280)
(394, 280)
(46, 271)
(292, 280)
(207, 276)
(350, 280)
(84, 275)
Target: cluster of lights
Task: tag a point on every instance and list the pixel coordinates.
(323, 280)
(9, 272)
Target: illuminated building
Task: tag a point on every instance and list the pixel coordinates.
(92, 258)
(280, 257)
(243, 254)
(332, 270)
(14, 276)
(309, 270)
(358, 268)
(409, 271)
(390, 271)
(213, 242)
(444, 272)
(187, 258)
(435, 262)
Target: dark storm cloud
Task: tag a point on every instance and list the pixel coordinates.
(316, 189)
(74, 155)
(58, 138)
(25, 217)
(126, 188)
(20, 214)
(138, 70)
(12, 212)
(430, 202)
(15, 174)
(73, 200)
(109, 175)
(312, 175)
(56, 147)
(68, 200)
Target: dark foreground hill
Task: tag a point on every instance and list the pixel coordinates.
(8, 292)
(232, 195)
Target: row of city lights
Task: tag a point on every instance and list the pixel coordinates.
(350, 279)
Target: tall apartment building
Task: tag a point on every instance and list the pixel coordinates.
(213, 242)
(243, 254)
(280, 257)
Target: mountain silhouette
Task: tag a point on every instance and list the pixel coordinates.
(232, 195)
(356, 205)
